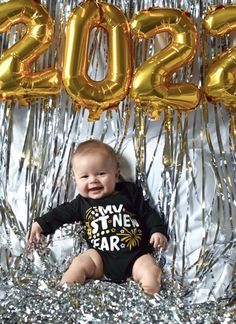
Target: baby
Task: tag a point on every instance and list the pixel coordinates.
(121, 228)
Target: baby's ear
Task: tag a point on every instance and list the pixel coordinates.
(73, 176)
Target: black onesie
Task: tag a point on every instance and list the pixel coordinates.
(118, 226)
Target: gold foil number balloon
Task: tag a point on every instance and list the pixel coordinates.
(16, 78)
(220, 81)
(97, 95)
(151, 83)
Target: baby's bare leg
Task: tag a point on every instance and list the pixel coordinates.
(87, 265)
(148, 273)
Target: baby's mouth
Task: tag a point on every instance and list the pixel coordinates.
(94, 189)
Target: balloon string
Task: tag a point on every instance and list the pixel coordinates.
(123, 120)
(169, 195)
(203, 203)
(159, 136)
(140, 148)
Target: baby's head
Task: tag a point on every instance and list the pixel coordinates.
(95, 168)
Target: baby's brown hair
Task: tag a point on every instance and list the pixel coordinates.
(91, 145)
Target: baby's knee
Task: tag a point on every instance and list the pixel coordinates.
(151, 280)
(151, 289)
(84, 263)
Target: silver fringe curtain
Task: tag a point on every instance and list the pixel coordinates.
(185, 162)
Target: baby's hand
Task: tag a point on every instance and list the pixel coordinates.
(34, 235)
(159, 241)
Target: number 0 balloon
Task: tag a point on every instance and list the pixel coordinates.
(97, 95)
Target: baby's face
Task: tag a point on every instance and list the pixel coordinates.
(95, 174)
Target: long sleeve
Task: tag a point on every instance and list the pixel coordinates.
(66, 213)
(150, 217)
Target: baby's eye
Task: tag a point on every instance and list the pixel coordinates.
(83, 177)
(101, 173)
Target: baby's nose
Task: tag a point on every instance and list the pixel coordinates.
(93, 179)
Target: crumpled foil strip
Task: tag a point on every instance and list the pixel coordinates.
(185, 163)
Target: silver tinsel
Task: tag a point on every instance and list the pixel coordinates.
(185, 162)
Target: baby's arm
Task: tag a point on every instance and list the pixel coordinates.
(34, 234)
(159, 241)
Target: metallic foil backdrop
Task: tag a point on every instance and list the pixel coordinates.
(186, 163)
